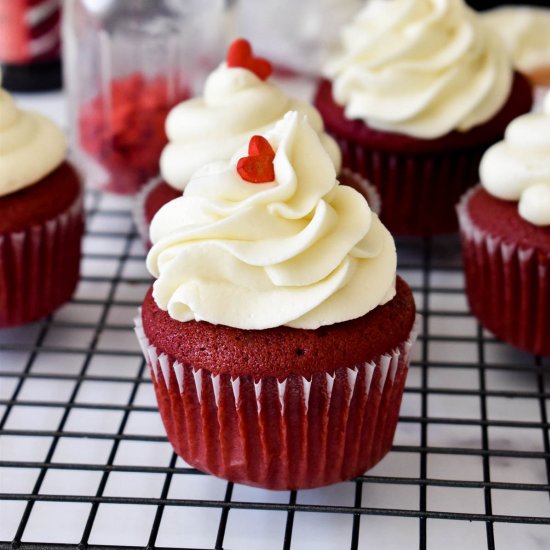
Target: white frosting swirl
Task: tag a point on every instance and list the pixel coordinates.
(420, 67)
(518, 168)
(235, 106)
(300, 251)
(525, 30)
(31, 146)
(534, 204)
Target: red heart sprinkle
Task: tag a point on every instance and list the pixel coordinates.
(257, 167)
(259, 146)
(239, 54)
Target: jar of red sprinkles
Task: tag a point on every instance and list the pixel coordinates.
(127, 63)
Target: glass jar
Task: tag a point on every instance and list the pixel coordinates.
(297, 36)
(127, 63)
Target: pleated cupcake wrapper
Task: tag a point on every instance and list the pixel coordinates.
(281, 434)
(138, 210)
(508, 286)
(418, 191)
(39, 267)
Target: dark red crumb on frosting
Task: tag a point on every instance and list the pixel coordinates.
(281, 351)
(41, 201)
(501, 219)
(519, 102)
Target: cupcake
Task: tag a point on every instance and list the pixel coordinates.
(417, 93)
(505, 230)
(277, 333)
(525, 31)
(42, 216)
(239, 100)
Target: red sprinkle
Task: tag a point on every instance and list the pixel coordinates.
(257, 167)
(123, 130)
(239, 54)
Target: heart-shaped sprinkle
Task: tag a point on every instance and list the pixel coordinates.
(257, 167)
(240, 54)
(260, 147)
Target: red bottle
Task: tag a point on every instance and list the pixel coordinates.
(30, 44)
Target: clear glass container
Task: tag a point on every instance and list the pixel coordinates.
(127, 63)
(296, 35)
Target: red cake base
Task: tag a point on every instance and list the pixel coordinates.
(40, 232)
(419, 180)
(281, 408)
(507, 269)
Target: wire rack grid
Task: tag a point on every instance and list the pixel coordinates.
(84, 462)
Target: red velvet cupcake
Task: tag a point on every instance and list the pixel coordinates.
(42, 217)
(281, 408)
(505, 230)
(277, 334)
(239, 100)
(416, 96)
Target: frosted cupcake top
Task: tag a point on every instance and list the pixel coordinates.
(422, 68)
(294, 248)
(525, 31)
(238, 101)
(31, 146)
(518, 168)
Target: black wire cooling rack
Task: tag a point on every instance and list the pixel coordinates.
(84, 462)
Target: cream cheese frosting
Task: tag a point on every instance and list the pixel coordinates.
(422, 68)
(301, 251)
(525, 31)
(518, 168)
(31, 146)
(236, 104)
